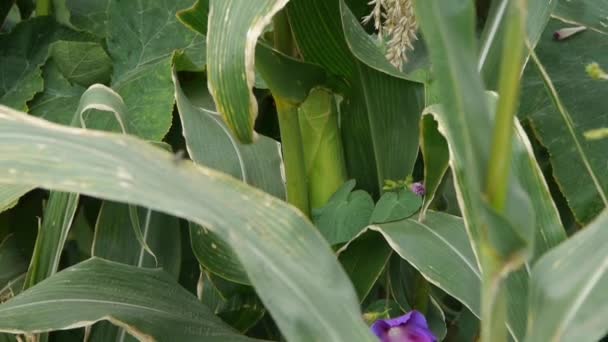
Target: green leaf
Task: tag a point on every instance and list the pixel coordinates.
(10, 194)
(83, 63)
(381, 108)
(20, 64)
(560, 117)
(346, 213)
(439, 249)
(195, 17)
(436, 155)
(210, 143)
(384, 108)
(492, 41)
(58, 216)
(142, 37)
(364, 259)
(61, 206)
(467, 126)
(89, 15)
(287, 78)
(234, 28)
(60, 99)
(332, 52)
(395, 206)
(115, 240)
(259, 228)
(568, 290)
(149, 304)
(590, 13)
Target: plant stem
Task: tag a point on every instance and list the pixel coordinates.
(500, 158)
(43, 8)
(289, 125)
(293, 156)
(493, 300)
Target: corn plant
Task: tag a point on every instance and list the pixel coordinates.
(303, 170)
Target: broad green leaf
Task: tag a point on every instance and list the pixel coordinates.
(560, 117)
(89, 15)
(56, 221)
(10, 194)
(142, 37)
(287, 78)
(61, 206)
(590, 13)
(83, 63)
(381, 108)
(385, 110)
(319, 36)
(492, 41)
(467, 123)
(116, 240)
(20, 73)
(12, 262)
(436, 156)
(60, 98)
(149, 304)
(195, 17)
(548, 229)
(395, 206)
(346, 213)
(467, 126)
(259, 228)
(568, 299)
(439, 249)
(210, 143)
(234, 28)
(364, 259)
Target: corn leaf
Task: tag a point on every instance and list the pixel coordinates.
(260, 228)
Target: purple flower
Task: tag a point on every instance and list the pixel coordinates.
(418, 189)
(410, 327)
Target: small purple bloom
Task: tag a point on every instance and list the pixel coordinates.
(410, 327)
(418, 189)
